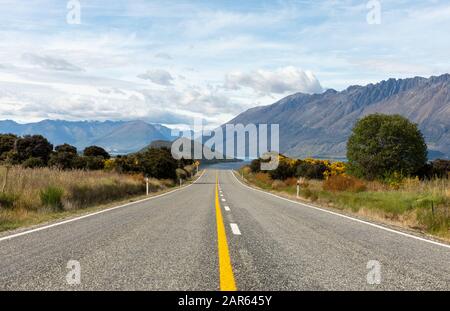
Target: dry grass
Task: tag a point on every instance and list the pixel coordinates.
(344, 183)
(278, 184)
(416, 204)
(28, 192)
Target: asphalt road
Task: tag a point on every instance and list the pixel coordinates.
(175, 242)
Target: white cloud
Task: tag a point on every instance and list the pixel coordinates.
(119, 40)
(163, 55)
(157, 76)
(279, 81)
(49, 62)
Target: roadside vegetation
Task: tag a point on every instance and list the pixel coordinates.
(40, 183)
(387, 177)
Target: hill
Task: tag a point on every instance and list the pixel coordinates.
(320, 124)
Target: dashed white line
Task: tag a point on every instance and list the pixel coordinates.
(223, 200)
(227, 208)
(235, 229)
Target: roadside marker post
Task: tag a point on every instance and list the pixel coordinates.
(298, 188)
(146, 185)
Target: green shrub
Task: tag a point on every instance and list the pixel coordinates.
(52, 197)
(95, 163)
(7, 200)
(255, 166)
(95, 151)
(381, 144)
(311, 170)
(284, 171)
(33, 163)
(181, 174)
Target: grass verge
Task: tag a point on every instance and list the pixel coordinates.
(418, 205)
(36, 196)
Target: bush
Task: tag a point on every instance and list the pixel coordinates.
(439, 168)
(6, 144)
(110, 165)
(311, 170)
(255, 165)
(284, 171)
(36, 146)
(7, 200)
(52, 197)
(344, 183)
(95, 151)
(384, 144)
(246, 170)
(181, 174)
(33, 163)
(158, 163)
(62, 160)
(190, 169)
(95, 163)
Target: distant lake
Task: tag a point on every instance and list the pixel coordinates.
(226, 165)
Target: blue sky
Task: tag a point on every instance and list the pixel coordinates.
(171, 61)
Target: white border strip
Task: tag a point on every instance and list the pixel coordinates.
(9, 237)
(345, 216)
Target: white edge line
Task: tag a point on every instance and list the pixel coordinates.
(227, 208)
(235, 229)
(9, 237)
(345, 216)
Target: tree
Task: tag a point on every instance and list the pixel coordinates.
(381, 145)
(7, 142)
(36, 146)
(158, 163)
(311, 170)
(63, 157)
(95, 151)
(66, 148)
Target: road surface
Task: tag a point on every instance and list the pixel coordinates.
(219, 234)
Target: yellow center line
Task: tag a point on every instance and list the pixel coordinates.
(227, 282)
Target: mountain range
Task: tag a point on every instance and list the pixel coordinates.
(319, 125)
(316, 125)
(117, 137)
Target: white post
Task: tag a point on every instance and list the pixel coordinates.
(146, 185)
(298, 189)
